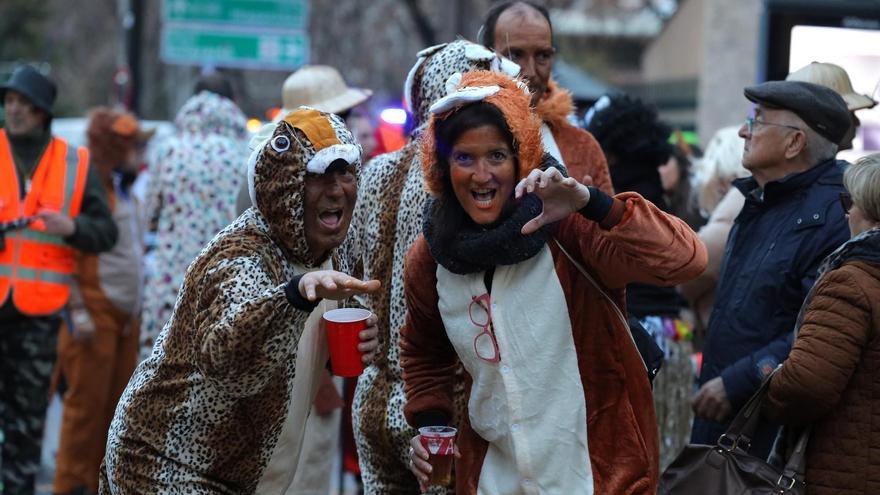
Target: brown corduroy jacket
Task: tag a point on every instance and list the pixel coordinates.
(580, 150)
(832, 381)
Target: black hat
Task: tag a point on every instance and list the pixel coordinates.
(819, 107)
(39, 89)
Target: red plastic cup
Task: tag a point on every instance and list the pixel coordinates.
(439, 441)
(344, 326)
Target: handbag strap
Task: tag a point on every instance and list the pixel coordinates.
(742, 428)
(599, 288)
(796, 465)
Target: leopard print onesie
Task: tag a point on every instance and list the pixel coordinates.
(234, 371)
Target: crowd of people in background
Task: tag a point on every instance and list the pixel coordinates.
(581, 303)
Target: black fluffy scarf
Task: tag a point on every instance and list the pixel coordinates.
(476, 248)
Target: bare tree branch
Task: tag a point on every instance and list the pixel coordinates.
(426, 31)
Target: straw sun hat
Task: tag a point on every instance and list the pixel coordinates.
(834, 77)
(320, 87)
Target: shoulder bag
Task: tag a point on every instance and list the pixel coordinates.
(727, 468)
(652, 355)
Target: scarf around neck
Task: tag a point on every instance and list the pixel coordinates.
(476, 249)
(863, 247)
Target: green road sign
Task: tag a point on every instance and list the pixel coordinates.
(259, 49)
(283, 14)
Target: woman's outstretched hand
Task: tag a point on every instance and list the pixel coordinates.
(562, 196)
(330, 284)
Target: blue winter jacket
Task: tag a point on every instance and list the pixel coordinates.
(770, 263)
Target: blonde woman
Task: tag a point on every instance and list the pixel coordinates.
(830, 379)
(721, 164)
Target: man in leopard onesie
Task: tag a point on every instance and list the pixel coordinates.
(221, 403)
(388, 220)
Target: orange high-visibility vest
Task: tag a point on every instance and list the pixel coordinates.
(36, 268)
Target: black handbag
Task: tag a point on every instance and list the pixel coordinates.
(652, 354)
(726, 468)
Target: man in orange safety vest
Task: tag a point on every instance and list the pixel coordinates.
(51, 205)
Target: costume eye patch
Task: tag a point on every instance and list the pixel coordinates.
(281, 144)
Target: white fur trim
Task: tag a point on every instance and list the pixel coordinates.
(497, 63)
(474, 51)
(452, 83)
(251, 174)
(262, 136)
(411, 75)
(322, 159)
(258, 140)
(506, 66)
(408, 85)
(463, 96)
(431, 50)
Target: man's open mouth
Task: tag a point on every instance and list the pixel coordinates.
(331, 218)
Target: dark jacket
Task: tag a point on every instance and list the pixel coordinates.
(770, 263)
(832, 377)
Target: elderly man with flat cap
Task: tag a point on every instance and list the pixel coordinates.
(791, 220)
(51, 206)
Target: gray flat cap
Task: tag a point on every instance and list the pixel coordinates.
(819, 107)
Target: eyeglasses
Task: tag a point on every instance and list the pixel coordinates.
(752, 122)
(846, 202)
(481, 315)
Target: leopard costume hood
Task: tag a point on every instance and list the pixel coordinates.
(511, 96)
(304, 141)
(426, 81)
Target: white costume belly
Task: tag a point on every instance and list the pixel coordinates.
(530, 406)
(311, 359)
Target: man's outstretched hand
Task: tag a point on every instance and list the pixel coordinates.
(330, 284)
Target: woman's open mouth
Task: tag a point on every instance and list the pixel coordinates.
(483, 197)
(331, 218)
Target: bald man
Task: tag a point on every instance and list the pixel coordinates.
(522, 31)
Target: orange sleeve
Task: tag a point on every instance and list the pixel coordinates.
(646, 245)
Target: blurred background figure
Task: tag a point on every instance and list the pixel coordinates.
(361, 125)
(191, 194)
(321, 87)
(98, 341)
(635, 142)
(52, 205)
(834, 77)
(721, 202)
(677, 179)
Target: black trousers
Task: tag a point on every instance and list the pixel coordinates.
(27, 357)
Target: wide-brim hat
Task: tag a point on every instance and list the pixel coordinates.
(320, 87)
(37, 88)
(834, 77)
